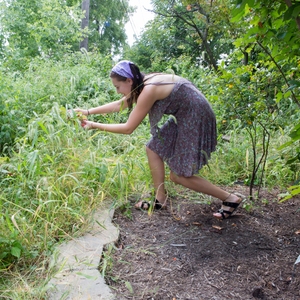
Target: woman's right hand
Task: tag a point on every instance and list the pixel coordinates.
(71, 113)
(83, 111)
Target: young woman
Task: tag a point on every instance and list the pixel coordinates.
(185, 142)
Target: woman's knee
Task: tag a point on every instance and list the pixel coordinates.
(148, 151)
(175, 178)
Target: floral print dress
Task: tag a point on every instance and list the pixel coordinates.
(187, 139)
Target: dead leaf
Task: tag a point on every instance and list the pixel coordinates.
(188, 212)
(217, 227)
(197, 224)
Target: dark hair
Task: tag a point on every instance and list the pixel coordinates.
(137, 85)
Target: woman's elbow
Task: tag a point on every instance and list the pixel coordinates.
(128, 130)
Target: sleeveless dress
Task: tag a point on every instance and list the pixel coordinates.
(187, 139)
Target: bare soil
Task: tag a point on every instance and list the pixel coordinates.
(183, 253)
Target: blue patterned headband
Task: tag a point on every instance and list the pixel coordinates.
(122, 68)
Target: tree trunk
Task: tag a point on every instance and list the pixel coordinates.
(85, 22)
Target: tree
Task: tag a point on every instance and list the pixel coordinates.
(160, 43)
(274, 30)
(263, 94)
(52, 28)
(203, 24)
(107, 23)
(85, 22)
(38, 28)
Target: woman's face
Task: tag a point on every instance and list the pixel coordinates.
(122, 87)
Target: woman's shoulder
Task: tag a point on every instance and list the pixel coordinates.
(160, 86)
(156, 78)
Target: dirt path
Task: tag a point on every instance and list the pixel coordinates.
(186, 254)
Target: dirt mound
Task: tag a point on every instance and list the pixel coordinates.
(184, 253)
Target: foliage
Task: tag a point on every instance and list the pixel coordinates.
(107, 22)
(37, 28)
(179, 28)
(58, 176)
(273, 41)
(274, 31)
(53, 173)
(50, 29)
(73, 79)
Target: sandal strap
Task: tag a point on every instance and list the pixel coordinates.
(143, 205)
(157, 204)
(146, 205)
(224, 211)
(231, 204)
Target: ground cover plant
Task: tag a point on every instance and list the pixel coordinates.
(53, 173)
(64, 173)
(58, 172)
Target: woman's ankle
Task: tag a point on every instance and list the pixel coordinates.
(232, 198)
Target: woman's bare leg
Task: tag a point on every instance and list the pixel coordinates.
(157, 169)
(202, 185)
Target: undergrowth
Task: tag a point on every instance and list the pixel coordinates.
(55, 173)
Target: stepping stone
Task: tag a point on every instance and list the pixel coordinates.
(77, 260)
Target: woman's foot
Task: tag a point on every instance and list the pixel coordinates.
(230, 204)
(145, 205)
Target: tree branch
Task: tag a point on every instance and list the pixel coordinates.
(280, 70)
(191, 23)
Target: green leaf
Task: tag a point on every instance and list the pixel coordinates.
(15, 251)
(291, 87)
(279, 96)
(251, 3)
(129, 286)
(43, 127)
(292, 12)
(4, 159)
(296, 10)
(286, 145)
(237, 16)
(295, 83)
(295, 134)
(295, 190)
(281, 35)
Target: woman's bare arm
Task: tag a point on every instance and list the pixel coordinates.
(108, 108)
(141, 109)
(111, 107)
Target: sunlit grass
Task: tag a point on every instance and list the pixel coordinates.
(60, 173)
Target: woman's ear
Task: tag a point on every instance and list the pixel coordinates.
(129, 80)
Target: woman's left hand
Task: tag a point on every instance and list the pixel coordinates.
(87, 124)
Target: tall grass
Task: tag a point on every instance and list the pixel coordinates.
(77, 79)
(58, 176)
(59, 173)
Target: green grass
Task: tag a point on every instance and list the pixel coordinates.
(59, 173)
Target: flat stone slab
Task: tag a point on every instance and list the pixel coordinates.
(78, 277)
